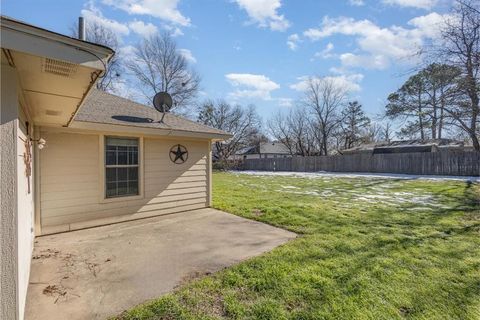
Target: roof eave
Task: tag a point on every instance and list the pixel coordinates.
(13, 24)
(106, 127)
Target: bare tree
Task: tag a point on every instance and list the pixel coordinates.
(302, 130)
(98, 33)
(243, 123)
(295, 130)
(373, 133)
(159, 66)
(325, 98)
(279, 128)
(461, 48)
(386, 132)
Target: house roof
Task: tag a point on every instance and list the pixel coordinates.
(265, 147)
(274, 148)
(407, 145)
(105, 108)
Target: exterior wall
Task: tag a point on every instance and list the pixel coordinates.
(8, 196)
(25, 218)
(72, 188)
(17, 206)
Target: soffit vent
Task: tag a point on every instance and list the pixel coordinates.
(52, 113)
(59, 68)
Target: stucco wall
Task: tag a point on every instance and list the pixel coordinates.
(72, 192)
(17, 206)
(25, 217)
(8, 198)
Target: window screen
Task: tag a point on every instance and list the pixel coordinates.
(121, 167)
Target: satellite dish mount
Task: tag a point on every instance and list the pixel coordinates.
(163, 102)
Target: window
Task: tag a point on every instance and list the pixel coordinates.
(121, 167)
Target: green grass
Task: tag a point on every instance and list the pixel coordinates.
(367, 249)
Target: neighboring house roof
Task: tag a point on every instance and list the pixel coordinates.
(104, 108)
(247, 150)
(264, 148)
(414, 145)
(274, 148)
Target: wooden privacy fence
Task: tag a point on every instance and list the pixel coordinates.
(456, 163)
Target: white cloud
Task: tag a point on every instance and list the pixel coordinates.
(327, 52)
(357, 3)
(174, 31)
(127, 53)
(349, 81)
(264, 13)
(420, 4)
(285, 102)
(92, 13)
(429, 25)
(292, 41)
(382, 45)
(124, 87)
(187, 54)
(365, 61)
(301, 85)
(143, 29)
(251, 85)
(164, 9)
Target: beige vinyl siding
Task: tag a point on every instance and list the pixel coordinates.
(72, 190)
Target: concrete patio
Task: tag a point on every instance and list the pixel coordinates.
(97, 273)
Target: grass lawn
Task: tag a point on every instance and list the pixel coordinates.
(367, 249)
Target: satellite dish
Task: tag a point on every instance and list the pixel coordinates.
(163, 102)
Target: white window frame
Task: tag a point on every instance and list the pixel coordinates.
(102, 187)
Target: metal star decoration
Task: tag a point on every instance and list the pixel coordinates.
(178, 154)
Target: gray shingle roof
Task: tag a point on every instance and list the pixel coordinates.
(265, 148)
(105, 108)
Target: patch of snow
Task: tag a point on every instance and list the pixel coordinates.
(327, 175)
(310, 193)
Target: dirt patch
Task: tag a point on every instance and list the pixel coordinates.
(93, 267)
(45, 254)
(257, 212)
(194, 275)
(405, 311)
(55, 291)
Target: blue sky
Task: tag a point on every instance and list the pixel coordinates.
(259, 51)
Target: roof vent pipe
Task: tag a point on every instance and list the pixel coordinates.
(81, 28)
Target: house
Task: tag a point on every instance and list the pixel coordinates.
(263, 150)
(73, 157)
(407, 146)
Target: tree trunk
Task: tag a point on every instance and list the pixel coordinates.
(472, 90)
(442, 107)
(420, 116)
(475, 142)
(420, 123)
(434, 117)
